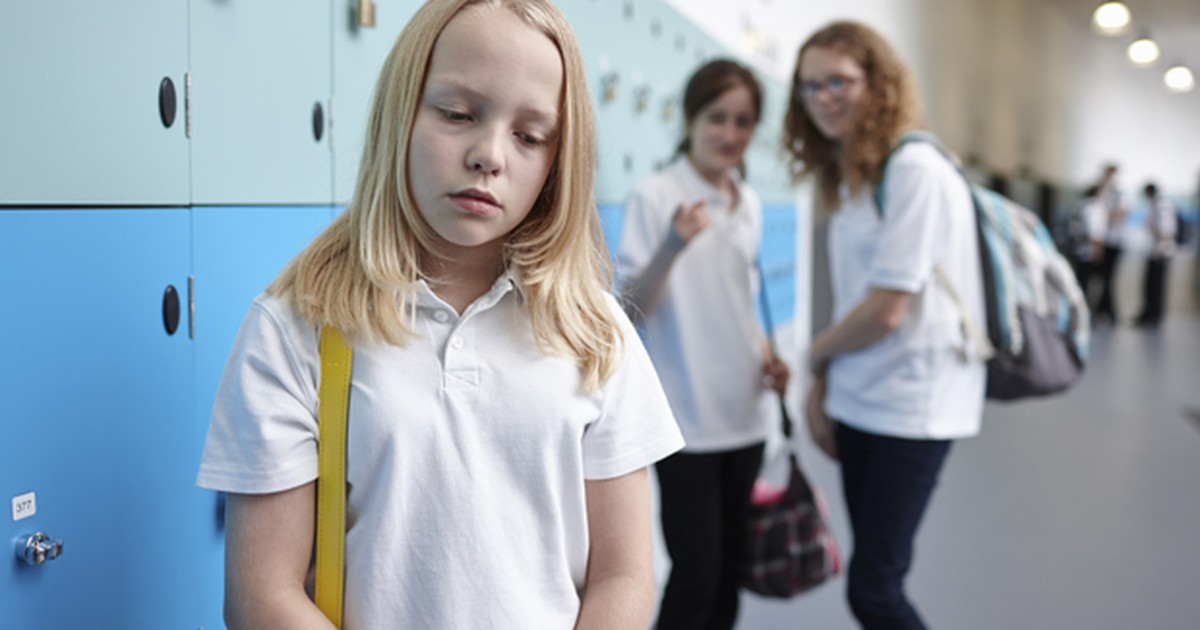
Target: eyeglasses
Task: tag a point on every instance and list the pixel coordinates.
(836, 85)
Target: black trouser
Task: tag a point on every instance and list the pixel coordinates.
(1106, 307)
(1085, 271)
(887, 483)
(1154, 289)
(704, 500)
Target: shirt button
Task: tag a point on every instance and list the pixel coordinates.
(456, 342)
(441, 316)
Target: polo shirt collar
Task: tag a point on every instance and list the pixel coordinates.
(698, 187)
(508, 281)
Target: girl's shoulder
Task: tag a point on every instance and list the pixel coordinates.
(920, 156)
(665, 185)
(921, 162)
(278, 315)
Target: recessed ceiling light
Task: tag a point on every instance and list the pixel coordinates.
(1111, 18)
(1179, 79)
(1143, 51)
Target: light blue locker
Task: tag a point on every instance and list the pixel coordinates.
(358, 55)
(237, 251)
(260, 77)
(98, 424)
(88, 89)
(663, 48)
(603, 30)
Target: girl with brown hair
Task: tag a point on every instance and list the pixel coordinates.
(893, 385)
(687, 267)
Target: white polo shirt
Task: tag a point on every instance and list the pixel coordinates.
(1162, 222)
(916, 382)
(703, 336)
(468, 452)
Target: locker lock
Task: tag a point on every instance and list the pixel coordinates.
(670, 105)
(366, 13)
(608, 84)
(642, 97)
(37, 548)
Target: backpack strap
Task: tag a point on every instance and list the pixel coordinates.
(336, 361)
(918, 135)
(972, 333)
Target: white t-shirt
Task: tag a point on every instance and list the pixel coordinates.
(1162, 224)
(467, 455)
(703, 336)
(918, 382)
(1116, 204)
(1095, 219)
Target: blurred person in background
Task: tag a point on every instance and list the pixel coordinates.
(1161, 222)
(1116, 209)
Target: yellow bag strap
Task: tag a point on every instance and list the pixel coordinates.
(336, 359)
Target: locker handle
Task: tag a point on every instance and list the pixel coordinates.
(318, 121)
(170, 310)
(166, 102)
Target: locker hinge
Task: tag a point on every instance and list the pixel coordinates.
(187, 104)
(191, 310)
(332, 126)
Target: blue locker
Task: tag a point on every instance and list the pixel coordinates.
(260, 77)
(237, 251)
(603, 32)
(88, 91)
(98, 424)
(358, 55)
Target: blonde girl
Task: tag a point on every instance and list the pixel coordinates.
(502, 411)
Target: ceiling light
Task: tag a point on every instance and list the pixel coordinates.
(1111, 18)
(1143, 51)
(1179, 79)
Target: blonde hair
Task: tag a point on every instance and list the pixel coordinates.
(360, 275)
(890, 107)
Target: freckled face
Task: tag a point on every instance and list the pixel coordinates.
(486, 131)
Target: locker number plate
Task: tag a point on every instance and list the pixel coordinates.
(24, 506)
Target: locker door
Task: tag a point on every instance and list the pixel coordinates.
(81, 112)
(260, 72)
(358, 56)
(98, 425)
(233, 264)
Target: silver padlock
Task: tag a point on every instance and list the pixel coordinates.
(37, 548)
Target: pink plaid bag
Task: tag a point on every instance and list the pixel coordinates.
(789, 547)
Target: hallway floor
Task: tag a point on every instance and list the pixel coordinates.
(1078, 512)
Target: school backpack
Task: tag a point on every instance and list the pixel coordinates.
(1038, 324)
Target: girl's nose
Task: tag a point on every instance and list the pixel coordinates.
(485, 154)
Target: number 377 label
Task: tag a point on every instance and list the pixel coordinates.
(24, 506)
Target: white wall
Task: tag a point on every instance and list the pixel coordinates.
(1019, 83)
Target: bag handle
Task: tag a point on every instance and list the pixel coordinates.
(785, 417)
(336, 361)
